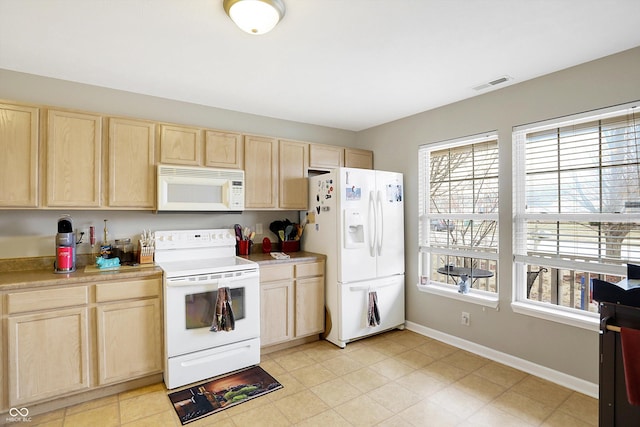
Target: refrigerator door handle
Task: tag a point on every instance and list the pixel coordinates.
(380, 219)
(372, 288)
(373, 220)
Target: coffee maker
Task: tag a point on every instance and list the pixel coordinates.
(65, 246)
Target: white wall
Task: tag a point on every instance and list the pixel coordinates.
(605, 82)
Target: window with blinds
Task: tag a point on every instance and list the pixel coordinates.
(459, 213)
(576, 205)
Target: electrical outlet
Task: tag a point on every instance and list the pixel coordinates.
(465, 319)
(82, 234)
(259, 230)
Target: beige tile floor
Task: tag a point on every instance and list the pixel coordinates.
(399, 378)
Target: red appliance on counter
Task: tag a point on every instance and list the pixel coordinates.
(65, 246)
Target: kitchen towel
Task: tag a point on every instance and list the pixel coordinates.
(223, 320)
(373, 315)
(631, 359)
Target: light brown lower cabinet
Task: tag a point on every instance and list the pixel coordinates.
(48, 350)
(128, 330)
(276, 312)
(49, 355)
(291, 301)
(55, 349)
(309, 312)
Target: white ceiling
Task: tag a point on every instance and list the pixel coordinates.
(348, 64)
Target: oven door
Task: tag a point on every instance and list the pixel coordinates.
(190, 304)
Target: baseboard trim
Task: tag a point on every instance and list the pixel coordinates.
(557, 377)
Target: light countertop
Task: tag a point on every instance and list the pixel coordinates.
(301, 256)
(13, 280)
(45, 276)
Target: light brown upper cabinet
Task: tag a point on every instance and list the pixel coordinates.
(52, 158)
(74, 152)
(180, 145)
(324, 157)
(132, 180)
(293, 163)
(356, 158)
(260, 172)
(223, 149)
(18, 156)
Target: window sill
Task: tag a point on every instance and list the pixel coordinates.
(553, 314)
(485, 299)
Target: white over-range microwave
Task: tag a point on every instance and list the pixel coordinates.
(185, 188)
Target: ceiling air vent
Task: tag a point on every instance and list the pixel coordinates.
(492, 83)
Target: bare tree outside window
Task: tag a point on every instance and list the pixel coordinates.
(462, 209)
(579, 217)
(465, 181)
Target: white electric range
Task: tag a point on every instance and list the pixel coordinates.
(196, 264)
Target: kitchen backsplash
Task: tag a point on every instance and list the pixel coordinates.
(31, 233)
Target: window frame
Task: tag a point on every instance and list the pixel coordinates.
(521, 259)
(425, 284)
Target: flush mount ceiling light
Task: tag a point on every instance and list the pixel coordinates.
(255, 16)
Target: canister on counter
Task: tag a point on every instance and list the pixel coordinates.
(123, 249)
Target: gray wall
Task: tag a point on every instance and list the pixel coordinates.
(60, 93)
(601, 83)
(27, 233)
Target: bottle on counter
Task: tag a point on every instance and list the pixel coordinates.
(105, 247)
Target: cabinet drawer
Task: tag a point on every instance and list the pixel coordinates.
(46, 299)
(310, 269)
(126, 290)
(276, 272)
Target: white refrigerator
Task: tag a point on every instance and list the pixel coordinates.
(356, 219)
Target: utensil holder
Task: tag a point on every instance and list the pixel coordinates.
(289, 246)
(244, 247)
(146, 254)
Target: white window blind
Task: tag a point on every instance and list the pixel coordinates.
(576, 201)
(458, 199)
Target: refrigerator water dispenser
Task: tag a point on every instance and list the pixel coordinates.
(353, 229)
